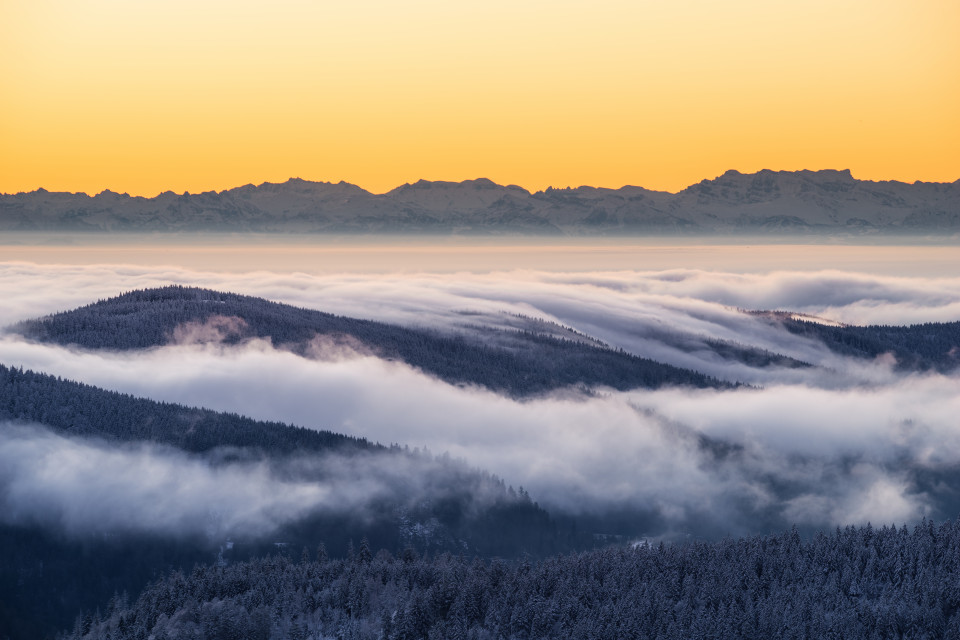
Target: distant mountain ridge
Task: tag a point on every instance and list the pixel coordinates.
(816, 202)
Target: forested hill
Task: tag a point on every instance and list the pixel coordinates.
(920, 347)
(48, 572)
(858, 582)
(77, 409)
(532, 364)
(461, 501)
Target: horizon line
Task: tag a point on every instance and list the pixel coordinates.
(186, 193)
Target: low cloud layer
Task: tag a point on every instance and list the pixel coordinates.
(86, 485)
(628, 310)
(817, 457)
(848, 442)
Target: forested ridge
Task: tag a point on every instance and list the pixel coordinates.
(46, 575)
(535, 364)
(857, 582)
(920, 347)
(75, 408)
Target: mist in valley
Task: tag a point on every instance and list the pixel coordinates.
(838, 441)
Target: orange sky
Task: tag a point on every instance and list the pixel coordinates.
(143, 96)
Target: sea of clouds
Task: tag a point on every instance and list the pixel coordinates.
(842, 442)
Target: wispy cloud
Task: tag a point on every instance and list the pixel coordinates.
(86, 485)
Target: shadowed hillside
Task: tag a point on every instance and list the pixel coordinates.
(534, 363)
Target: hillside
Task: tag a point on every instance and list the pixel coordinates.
(58, 556)
(931, 346)
(519, 364)
(858, 582)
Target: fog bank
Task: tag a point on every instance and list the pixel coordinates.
(847, 441)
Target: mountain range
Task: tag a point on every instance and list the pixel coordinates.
(766, 202)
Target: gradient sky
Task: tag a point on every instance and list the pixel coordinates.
(141, 96)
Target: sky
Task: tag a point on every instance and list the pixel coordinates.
(192, 95)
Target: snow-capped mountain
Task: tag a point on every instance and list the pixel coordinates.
(768, 201)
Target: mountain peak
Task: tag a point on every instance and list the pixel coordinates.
(833, 174)
(430, 184)
(108, 193)
(481, 183)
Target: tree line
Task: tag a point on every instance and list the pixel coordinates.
(856, 582)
